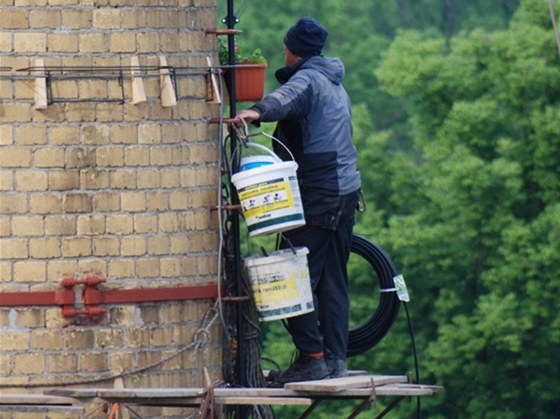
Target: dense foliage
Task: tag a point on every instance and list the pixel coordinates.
(457, 123)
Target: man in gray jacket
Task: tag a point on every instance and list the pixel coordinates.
(315, 123)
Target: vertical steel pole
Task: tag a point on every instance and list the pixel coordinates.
(231, 20)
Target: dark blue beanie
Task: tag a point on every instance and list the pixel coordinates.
(306, 38)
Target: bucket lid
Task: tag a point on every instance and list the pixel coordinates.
(252, 162)
(258, 159)
(277, 256)
(285, 168)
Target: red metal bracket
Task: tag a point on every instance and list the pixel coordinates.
(92, 281)
(69, 311)
(92, 296)
(90, 310)
(222, 120)
(37, 298)
(222, 31)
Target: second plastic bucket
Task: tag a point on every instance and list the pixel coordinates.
(280, 283)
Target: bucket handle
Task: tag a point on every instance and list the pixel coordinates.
(290, 245)
(279, 142)
(243, 136)
(264, 148)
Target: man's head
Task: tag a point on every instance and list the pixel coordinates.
(306, 38)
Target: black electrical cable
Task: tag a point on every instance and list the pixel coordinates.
(369, 334)
(366, 336)
(415, 354)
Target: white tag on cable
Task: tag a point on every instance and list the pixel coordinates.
(400, 285)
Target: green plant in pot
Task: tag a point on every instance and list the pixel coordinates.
(253, 57)
(250, 68)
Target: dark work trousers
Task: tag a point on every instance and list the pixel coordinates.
(328, 237)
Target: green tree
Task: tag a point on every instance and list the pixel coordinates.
(359, 32)
(482, 247)
(458, 139)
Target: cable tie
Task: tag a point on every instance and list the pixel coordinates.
(388, 290)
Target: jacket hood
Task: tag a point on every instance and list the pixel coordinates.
(331, 68)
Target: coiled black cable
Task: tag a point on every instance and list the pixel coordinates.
(367, 335)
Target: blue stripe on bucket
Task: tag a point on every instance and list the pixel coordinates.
(279, 220)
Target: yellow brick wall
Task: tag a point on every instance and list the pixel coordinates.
(112, 189)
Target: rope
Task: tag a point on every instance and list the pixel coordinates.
(200, 338)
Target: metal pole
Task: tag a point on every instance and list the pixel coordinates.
(231, 20)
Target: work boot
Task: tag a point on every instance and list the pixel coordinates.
(273, 376)
(337, 367)
(304, 368)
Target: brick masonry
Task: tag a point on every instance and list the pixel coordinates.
(92, 186)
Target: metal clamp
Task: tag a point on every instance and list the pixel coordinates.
(89, 310)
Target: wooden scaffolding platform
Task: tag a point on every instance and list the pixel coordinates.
(39, 404)
(366, 388)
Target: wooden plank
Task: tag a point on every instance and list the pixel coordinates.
(128, 393)
(350, 372)
(30, 402)
(41, 408)
(25, 398)
(89, 393)
(219, 401)
(282, 401)
(344, 383)
(282, 392)
(214, 86)
(255, 392)
(407, 390)
(297, 393)
(150, 393)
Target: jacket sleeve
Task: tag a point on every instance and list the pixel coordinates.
(289, 101)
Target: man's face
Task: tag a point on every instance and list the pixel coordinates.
(289, 57)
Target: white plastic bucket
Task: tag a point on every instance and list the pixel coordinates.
(269, 196)
(280, 283)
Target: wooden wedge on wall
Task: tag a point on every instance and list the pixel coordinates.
(138, 92)
(40, 89)
(168, 97)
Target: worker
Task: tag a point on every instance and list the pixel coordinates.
(314, 118)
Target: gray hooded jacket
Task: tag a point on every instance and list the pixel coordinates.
(314, 118)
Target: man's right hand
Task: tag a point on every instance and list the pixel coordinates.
(247, 115)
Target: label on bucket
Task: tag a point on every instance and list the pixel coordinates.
(276, 289)
(280, 284)
(270, 198)
(264, 197)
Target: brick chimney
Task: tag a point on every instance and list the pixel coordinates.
(97, 184)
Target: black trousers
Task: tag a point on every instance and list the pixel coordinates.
(328, 236)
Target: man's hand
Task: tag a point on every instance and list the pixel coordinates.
(247, 115)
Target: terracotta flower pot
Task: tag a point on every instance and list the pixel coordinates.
(249, 82)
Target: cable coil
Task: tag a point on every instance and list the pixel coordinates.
(369, 334)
